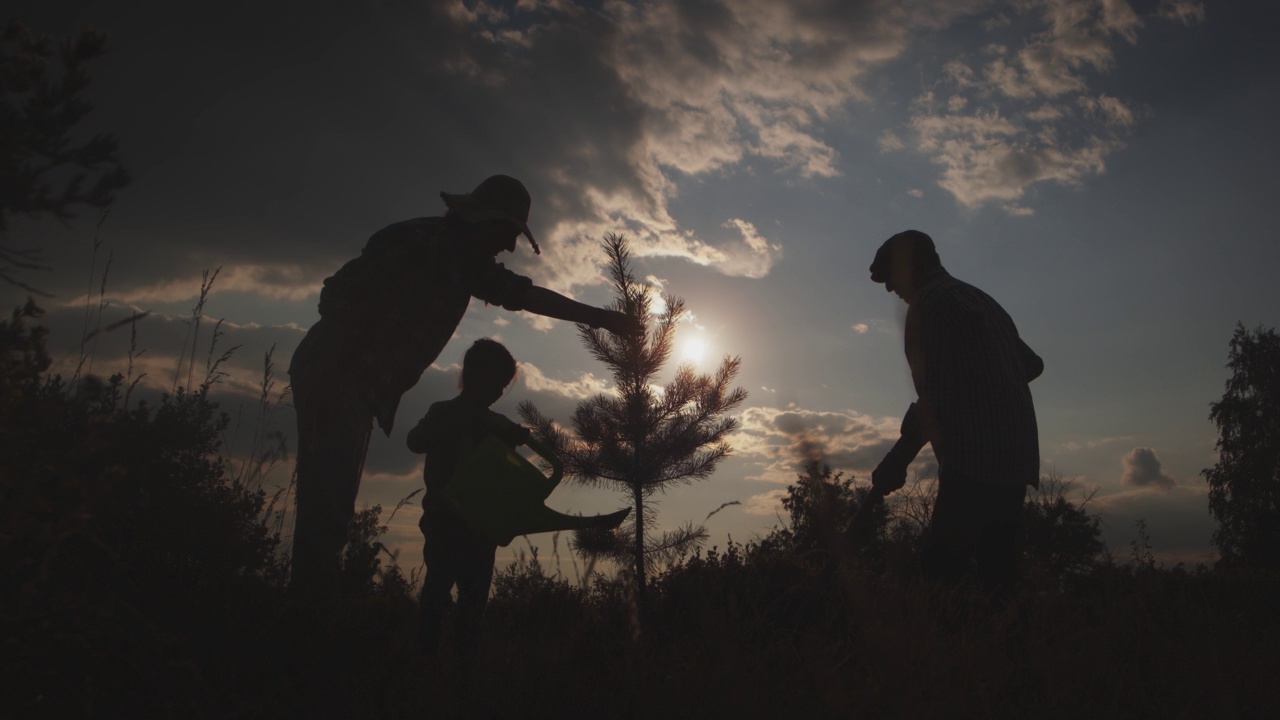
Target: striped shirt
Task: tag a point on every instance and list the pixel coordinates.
(971, 371)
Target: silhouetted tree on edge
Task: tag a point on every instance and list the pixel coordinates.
(643, 440)
(1244, 486)
(44, 170)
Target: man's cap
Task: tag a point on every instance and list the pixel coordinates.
(909, 246)
(499, 198)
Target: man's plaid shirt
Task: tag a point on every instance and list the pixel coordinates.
(386, 315)
(970, 371)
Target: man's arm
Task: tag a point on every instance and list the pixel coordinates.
(499, 286)
(552, 304)
(945, 343)
(891, 473)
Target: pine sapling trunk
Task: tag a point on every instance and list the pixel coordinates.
(639, 545)
(637, 489)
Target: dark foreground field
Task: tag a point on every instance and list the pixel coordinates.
(747, 633)
(141, 575)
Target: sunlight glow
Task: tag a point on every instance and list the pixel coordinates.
(694, 350)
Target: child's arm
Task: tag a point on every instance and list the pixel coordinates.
(511, 433)
(440, 428)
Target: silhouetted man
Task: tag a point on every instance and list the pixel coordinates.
(970, 371)
(384, 318)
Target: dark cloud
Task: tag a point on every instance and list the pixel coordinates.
(834, 440)
(1142, 469)
(807, 450)
(863, 457)
(785, 440)
(253, 142)
(794, 423)
(158, 341)
(275, 152)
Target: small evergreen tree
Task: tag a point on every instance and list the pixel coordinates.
(1244, 486)
(643, 440)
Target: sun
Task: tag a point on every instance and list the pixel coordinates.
(694, 350)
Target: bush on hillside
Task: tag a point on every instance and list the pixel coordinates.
(122, 536)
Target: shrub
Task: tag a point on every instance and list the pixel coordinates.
(122, 537)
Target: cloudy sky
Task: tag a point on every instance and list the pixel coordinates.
(1103, 168)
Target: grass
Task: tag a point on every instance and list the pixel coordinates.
(757, 637)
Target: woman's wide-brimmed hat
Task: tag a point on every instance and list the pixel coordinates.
(499, 198)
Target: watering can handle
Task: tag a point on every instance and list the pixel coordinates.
(557, 467)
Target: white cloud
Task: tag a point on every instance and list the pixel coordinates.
(755, 256)
(889, 141)
(766, 504)
(160, 347)
(781, 440)
(990, 157)
(280, 281)
(668, 89)
(605, 110)
(1110, 109)
(1021, 112)
(1074, 445)
(884, 327)
(587, 385)
(1046, 113)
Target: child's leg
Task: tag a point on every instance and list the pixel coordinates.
(475, 575)
(441, 562)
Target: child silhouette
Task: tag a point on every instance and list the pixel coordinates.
(480, 494)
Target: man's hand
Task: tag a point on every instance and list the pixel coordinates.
(617, 323)
(889, 475)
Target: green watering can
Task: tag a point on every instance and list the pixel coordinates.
(500, 494)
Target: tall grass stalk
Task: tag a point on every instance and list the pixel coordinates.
(193, 330)
(134, 353)
(85, 333)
